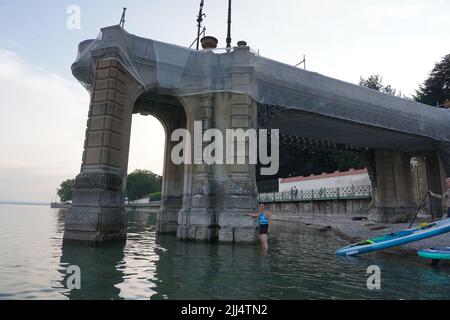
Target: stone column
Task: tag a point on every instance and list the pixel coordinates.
(444, 153)
(435, 182)
(172, 187)
(419, 178)
(98, 213)
(197, 220)
(392, 196)
(239, 186)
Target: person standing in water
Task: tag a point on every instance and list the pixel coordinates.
(264, 222)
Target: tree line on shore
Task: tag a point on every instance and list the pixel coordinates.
(140, 184)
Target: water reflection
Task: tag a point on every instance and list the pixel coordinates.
(99, 273)
(300, 264)
(205, 271)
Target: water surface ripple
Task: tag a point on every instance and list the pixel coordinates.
(299, 265)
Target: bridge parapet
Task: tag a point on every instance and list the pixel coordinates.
(340, 193)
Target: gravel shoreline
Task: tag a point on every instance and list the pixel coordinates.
(354, 231)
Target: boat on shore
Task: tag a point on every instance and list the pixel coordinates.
(435, 253)
(395, 239)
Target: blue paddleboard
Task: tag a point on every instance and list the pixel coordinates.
(435, 253)
(396, 238)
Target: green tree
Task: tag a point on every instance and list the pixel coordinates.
(375, 82)
(65, 191)
(348, 160)
(141, 183)
(436, 89)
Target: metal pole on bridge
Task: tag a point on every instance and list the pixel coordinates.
(229, 25)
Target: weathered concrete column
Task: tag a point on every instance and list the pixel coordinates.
(392, 197)
(197, 220)
(98, 211)
(239, 187)
(436, 181)
(419, 178)
(216, 196)
(444, 154)
(172, 186)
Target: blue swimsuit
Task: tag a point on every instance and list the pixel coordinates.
(263, 223)
(262, 219)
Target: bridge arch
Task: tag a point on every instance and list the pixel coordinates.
(171, 113)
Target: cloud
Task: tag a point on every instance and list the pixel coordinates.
(42, 128)
(42, 125)
(403, 12)
(377, 15)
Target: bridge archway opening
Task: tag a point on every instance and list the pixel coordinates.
(147, 143)
(171, 115)
(303, 156)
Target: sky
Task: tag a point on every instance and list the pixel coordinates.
(43, 109)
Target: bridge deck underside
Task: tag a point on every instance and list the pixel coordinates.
(304, 124)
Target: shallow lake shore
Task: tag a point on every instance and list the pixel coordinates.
(354, 231)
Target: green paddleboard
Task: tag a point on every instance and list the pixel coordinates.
(435, 253)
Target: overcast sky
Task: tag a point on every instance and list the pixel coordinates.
(43, 109)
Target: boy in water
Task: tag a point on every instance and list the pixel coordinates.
(264, 222)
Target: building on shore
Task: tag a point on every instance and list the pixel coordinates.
(326, 180)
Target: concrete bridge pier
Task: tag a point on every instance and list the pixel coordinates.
(98, 213)
(218, 195)
(436, 182)
(392, 195)
(393, 199)
(238, 182)
(197, 219)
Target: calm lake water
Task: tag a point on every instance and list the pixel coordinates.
(299, 265)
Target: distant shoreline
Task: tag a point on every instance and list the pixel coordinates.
(20, 203)
(60, 205)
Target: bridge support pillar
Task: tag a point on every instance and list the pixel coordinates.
(392, 196)
(444, 153)
(239, 180)
(436, 182)
(97, 212)
(197, 220)
(217, 195)
(173, 181)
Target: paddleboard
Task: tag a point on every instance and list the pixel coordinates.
(435, 253)
(396, 238)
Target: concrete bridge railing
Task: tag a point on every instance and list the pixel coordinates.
(340, 193)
